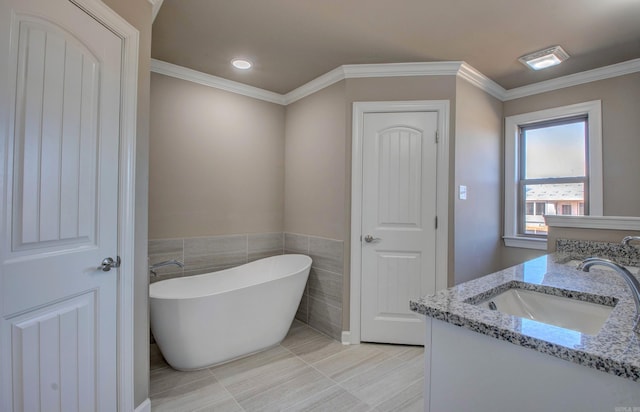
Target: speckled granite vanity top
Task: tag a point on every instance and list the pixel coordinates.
(615, 349)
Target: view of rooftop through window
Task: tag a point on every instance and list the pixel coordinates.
(553, 174)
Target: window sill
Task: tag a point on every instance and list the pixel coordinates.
(525, 242)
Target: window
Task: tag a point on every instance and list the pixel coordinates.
(553, 165)
(553, 170)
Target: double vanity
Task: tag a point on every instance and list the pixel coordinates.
(539, 336)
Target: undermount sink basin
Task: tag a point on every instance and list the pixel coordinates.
(577, 315)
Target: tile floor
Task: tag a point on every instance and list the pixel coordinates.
(307, 372)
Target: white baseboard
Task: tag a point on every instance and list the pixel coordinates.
(346, 337)
(144, 406)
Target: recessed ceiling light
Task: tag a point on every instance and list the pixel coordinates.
(544, 58)
(241, 64)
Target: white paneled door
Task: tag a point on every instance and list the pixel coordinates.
(59, 137)
(398, 223)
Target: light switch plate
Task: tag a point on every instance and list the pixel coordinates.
(463, 192)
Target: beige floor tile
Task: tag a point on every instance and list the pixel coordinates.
(347, 364)
(384, 381)
(190, 397)
(318, 349)
(230, 405)
(254, 376)
(410, 399)
(298, 324)
(288, 393)
(411, 354)
(163, 379)
(307, 372)
(334, 399)
(300, 336)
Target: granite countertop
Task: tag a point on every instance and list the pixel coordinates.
(615, 349)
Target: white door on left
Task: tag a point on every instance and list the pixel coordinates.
(59, 147)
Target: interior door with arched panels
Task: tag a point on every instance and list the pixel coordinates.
(59, 133)
(398, 223)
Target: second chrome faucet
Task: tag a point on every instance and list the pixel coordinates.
(152, 268)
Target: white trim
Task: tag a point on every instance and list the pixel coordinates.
(601, 73)
(179, 72)
(315, 85)
(481, 81)
(525, 242)
(155, 8)
(595, 222)
(442, 190)
(352, 71)
(454, 68)
(346, 337)
(144, 406)
(126, 192)
(594, 110)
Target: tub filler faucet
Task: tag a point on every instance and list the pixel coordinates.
(155, 266)
(631, 280)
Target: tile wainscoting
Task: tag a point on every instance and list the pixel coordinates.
(321, 304)
(210, 254)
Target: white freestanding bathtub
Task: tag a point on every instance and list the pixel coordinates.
(200, 321)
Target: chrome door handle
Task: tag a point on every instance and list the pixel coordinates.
(108, 263)
(370, 239)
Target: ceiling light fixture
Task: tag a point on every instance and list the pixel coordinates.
(544, 58)
(241, 64)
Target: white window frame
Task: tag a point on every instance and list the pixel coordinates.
(593, 110)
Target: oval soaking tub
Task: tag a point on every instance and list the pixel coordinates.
(200, 321)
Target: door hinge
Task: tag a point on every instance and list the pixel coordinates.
(437, 137)
(436, 223)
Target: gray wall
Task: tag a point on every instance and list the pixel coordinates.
(216, 162)
(478, 165)
(315, 166)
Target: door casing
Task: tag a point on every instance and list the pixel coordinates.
(442, 193)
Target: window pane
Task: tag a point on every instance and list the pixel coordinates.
(551, 199)
(555, 151)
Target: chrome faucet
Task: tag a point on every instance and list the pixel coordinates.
(631, 280)
(628, 239)
(155, 266)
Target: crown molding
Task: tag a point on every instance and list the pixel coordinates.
(602, 73)
(351, 71)
(155, 8)
(595, 222)
(401, 69)
(317, 84)
(481, 81)
(168, 69)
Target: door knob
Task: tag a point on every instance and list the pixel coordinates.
(370, 239)
(108, 263)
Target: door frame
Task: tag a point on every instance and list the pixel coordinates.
(442, 196)
(130, 38)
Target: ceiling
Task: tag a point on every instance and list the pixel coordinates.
(292, 42)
